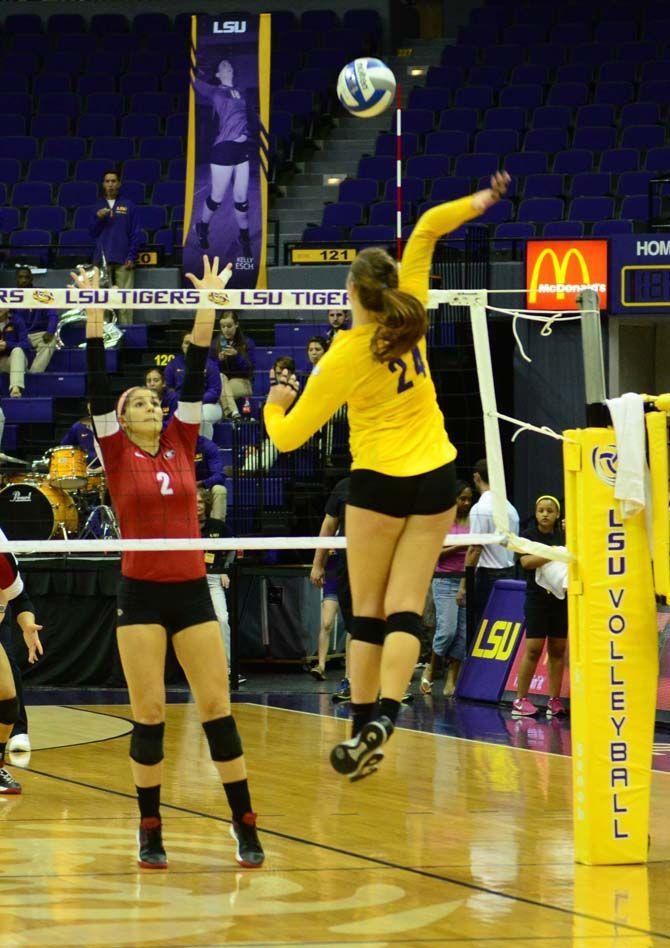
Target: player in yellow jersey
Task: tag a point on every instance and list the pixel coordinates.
(402, 494)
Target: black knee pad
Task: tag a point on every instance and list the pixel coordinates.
(410, 622)
(241, 206)
(224, 739)
(211, 204)
(146, 743)
(366, 629)
(9, 710)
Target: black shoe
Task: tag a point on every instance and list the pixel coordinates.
(202, 230)
(249, 850)
(361, 755)
(150, 840)
(8, 785)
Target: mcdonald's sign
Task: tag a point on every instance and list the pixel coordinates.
(558, 270)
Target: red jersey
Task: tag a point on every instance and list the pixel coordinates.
(155, 496)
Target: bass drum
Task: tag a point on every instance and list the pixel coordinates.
(36, 511)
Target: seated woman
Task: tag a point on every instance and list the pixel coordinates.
(174, 378)
(155, 382)
(235, 354)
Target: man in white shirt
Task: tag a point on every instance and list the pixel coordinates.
(493, 561)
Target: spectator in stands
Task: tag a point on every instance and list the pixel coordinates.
(40, 325)
(217, 562)
(2, 425)
(236, 356)
(14, 351)
(209, 474)
(339, 320)
(316, 350)
(81, 436)
(229, 155)
(449, 639)
(493, 561)
(174, 378)
(263, 459)
(155, 382)
(116, 231)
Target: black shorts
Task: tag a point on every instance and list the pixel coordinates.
(431, 493)
(229, 153)
(175, 606)
(547, 620)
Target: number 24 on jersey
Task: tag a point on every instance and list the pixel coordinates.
(399, 365)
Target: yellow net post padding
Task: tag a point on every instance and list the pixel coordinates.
(657, 439)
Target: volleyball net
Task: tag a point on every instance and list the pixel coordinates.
(616, 564)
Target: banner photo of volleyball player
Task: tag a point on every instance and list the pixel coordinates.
(225, 207)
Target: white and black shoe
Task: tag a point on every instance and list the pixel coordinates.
(8, 786)
(361, 756)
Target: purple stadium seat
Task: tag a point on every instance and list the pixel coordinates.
(76, 193)
(589, 115)
(177, 216)
(12, 82)
(23, 23)
(610, 228)
(418, 122)
(618, 160)
(317, 235)
(412, 189)
(151, 217)
(9, 219)
(30, 193)
(428, 166)
(655, 90)
(68, 63)
(147, 170)
(151, 23)
(506, 117)
(83, 216)
(592, 53)
(447, 143)
(66, 23)
(384, 212)
(639, 52)
(3, 196)
(358, 191)
(575, 72)
(299, 102)
(636, 208)
(46, 217)
(433, 98)
(568, 93)
(136, 126)
(502, 211)
(579, 32)
(540, 14)
(546, 139)
(32, 243)
(487, 34)
(526, 162)
(445, 77)
(51, 82)
(475, 166)
(162, 148)
(548, 55)
(524, 34)
(168, 193)
(10, 170)
(643, 136)
(515, 230)
(552, 116)
(591, 209)
(519, 98)
(342, 215)
(613, 93)
(109, 23)
(138, 82)
(145, 62)
(281, 124)
(371, 234)
(505, 55)
(596, 139)
(485, 182)
(33, 43)
(617, 72)
(485, 75)
(176, 81)
(377, 168)
(474, 97)
(640, 113)
(60, 103)
(73, 43)
(156, 103)
(591, 184)
(70, 149)
(656, 71)
(300, 39)
(114, 149)
(177, 169)
(91, 169)
(136, 191)
(461, 120)
(573, 162)
(530, 73)
(21, 147)
(23, 63)
(544, 185)
(282, 20)
(106, 103)
(95, 125)
(366, 21)
(54, 170)
(615, 31)
(341, 39)
(540, 209)
(315, 79)
(563, 229)
(112, 62)
(13, 125)
(386, 144)
(658, 160)
(320, 21)
(634, 182)
(502, 140)
(449, 189)
(92, 83)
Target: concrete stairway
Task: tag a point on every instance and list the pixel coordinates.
(349, 140)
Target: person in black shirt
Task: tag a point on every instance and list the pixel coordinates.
(546, 615)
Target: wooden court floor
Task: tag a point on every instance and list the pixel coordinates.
(452, 843)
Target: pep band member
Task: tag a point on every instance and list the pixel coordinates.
(402, 492)
(151, 480)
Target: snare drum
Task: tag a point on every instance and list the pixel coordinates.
(67, 469)
(32, 511)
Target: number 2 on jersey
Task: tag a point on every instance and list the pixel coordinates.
(164, 480)
(404, 384)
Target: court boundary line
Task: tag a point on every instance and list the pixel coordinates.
(373, 860)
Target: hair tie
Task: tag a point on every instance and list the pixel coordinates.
(549, 497)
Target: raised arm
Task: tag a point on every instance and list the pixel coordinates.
(193, 386)
(99, 390)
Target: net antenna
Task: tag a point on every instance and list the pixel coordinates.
(595, 389)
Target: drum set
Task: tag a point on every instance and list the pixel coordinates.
(59, 497)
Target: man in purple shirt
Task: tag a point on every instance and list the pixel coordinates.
(209, 474)
(15, 351)
(81, 436)
(116, 231)
(40, 325)
(174, 378)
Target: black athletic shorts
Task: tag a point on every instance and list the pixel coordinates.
(175, 606)
(547, 620)
(429, 493)
(229, 153)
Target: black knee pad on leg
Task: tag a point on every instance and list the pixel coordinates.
(9, 710)
(146, 743)
(366, 629)
(224, 739)
(241, 206)
(410, 622)
(211, 204)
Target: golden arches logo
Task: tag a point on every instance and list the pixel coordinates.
(560, 268)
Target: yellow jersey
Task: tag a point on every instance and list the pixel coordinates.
(396, 426)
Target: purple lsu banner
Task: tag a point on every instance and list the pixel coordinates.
(225, 207)
(498, 637)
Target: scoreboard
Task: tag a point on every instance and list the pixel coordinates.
(639, 274)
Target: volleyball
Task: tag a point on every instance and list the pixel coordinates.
(366, 87)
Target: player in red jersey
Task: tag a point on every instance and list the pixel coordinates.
(151, 480)
(11, 590)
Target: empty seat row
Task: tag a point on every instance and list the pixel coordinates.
(57, 170)
(641, 66)
(107, 103)
(549, 55)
